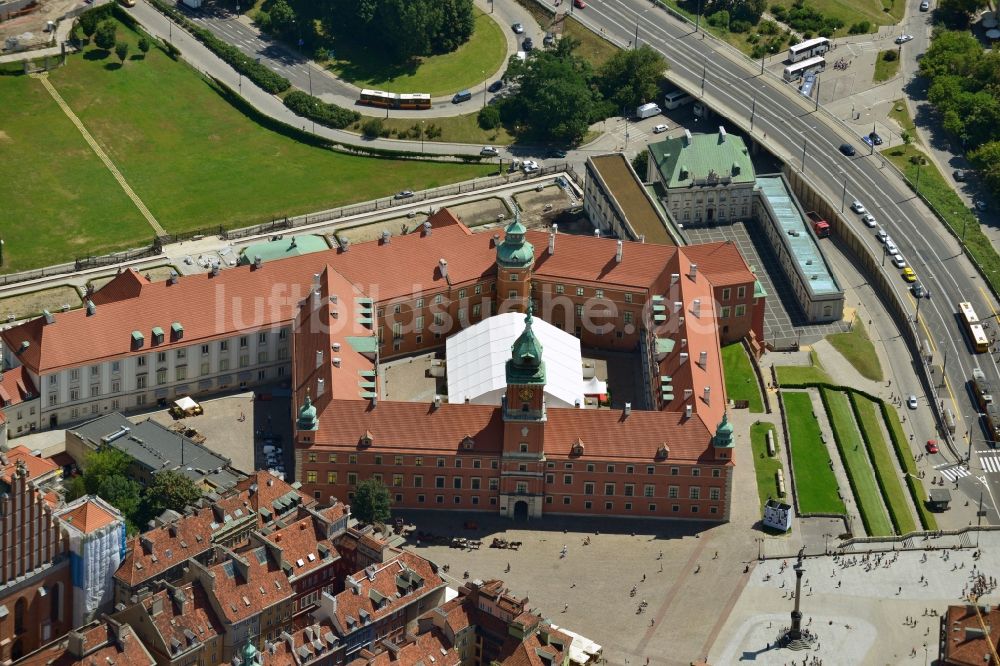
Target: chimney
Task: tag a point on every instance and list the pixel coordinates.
(722, 134)
(76, 646)
(678, 305)
(316, 277)
(696, 307)
(628, 409)
(693, 271)
(618, 253)
(443, 265)
(336, 361)
(687, 411)
(552, 243)
(688, 393)
(437, 401)
(147, 544)
(496, 240)
(427, 228)
(687, 137)
(555, 228)
(317, 298)
(157, 606)
(684, 357)
(215, 270)
(703, 359)
(257, 261)
(642, 238)
(319, 358)
(385, 237)
(173, 277)
(49, 319)
(335, 346)
(320, 386)
(91, 308)
(597, 233)
(684, 343)
(708, 395)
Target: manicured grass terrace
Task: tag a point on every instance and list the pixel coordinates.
(815, 483)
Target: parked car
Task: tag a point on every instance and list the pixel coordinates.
(958, 175)
(489, 151)
(527, 44)
(549, 39)
(919, 290)
(890, 245)
(866, 139)
(869, 220)
(980, 205)
(902, 39)
(461, 96)
(880, 235)
(909, 275)
(517, 28)
(876, 139)
(530, 166)
(925, 5)
(857, 207)
(931, 446)
(558, 153)
(405, 194)
(495, 86)
(911, 402)
(898, 261)
(659, 129)
(847, 149)
(579, 4)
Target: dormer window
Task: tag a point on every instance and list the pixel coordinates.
(577, 449)
(366, 439)
(468, 443)
(663, 452)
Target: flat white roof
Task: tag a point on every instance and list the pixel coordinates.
(477, 358)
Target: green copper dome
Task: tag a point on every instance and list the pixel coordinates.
(515, 252)
(724, 433)
(307, 416)
(525, 365)
(249, 654)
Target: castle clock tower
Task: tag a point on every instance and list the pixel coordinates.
(522, 466)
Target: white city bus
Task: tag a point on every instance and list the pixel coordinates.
(798, 70)
(810, 48)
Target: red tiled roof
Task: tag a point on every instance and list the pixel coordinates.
(88, 517)
(589, 259)
(416, 427)
(127, 284)
(100, 647)
(721, 262)
(36, 466)
(528, 652)
(961, 649)
(299, 543)
(383, 581)
(16, 386)
(197, 615)
(239, 597)
(429, 648)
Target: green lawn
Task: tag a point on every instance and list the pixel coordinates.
(764, 465)
(798, 374)
(892, 490)
(855, 11)
(454, 129)
(54, 182)
(940, 194)
(905, 457)
(886, 68)
(741, 383)
(854, 455)
(815, 483)
(901, 115)
(857, 348)
(593, 48)
(469, 64)
(196, 161)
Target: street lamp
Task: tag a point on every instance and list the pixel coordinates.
(804, 142)
(843, 196)
(1, 252)
(422, 136)
(817, 92)
(485, 87)
(753, 109)
(697, 18)
(826, 542)
(965, 222)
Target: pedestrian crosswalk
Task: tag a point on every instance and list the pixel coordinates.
(954, 472)
(990, 460)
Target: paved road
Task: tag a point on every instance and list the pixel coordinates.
(788, 126)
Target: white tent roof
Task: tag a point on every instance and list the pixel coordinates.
(185, 403)
(476, 359)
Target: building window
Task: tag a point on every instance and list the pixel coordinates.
(439, 482)
(648, 490)
(476, 463)
(724, 312)
(716, 473)
(588, 488)
(332, 458)
(741, 310)
(673, 492)
(611, 469)
(352, 459)
(741, 293)
(243, 342)
(440, 462)
(609, 489)
(627, 317)
(140, 381)
(141, 361)
(628, 298)
(419, 304)
(560, 289)
(420, 499)
(476, 482)
(478, 289)
(568, 479)
(311, 457)
(438, 299)
(397, 480)
(650, 469)
(695, 471)
(418, 462)
(74, 374)
(494, 484)
(352, 479)
(95, 390)
(629, 490)
(224, 345)
(609, 506)
(694, 492)
(311, 476)
(590, 467)
(74, 394)
(726, 293)
(675, 471)
(579, 291)
(397, 460)
(713, 509)
(116, 366)
(331, 477)
(579, 310)
(522, 467)
(223, 364)
(550, 478)
(439, 499)
(418, 481)
(456, 482)
(588, 505)
(181, 372)
(116, 386)
(713, 493)
(378, 460)
(652, 508)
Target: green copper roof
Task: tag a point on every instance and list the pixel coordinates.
(307, 416)
(286, 247)
(249, 654)
(515, 251)
(682, 163)
(724, 433)
(525, 365)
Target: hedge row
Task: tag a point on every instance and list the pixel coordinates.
(899, 444)
(242, 63)
(305, 105)
(900, 522)
(838, 438)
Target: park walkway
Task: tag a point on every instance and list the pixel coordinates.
(100, 153)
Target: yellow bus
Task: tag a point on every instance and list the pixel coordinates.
(973, 327)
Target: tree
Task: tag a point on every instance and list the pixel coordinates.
(555, 101)
(986, 159)
(170, 490)
(372, 128)
(641, 163)
(105, 473)
(121, 50)
(106, 36)
(144, 45)
(489, 117)
(957, 13)
(632, 77)
(371, 502)
(282, 18)
(906, 137)
(88, 24)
